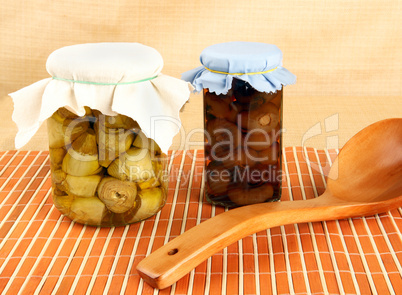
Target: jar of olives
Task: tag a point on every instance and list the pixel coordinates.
(108, 156)
(242, 85)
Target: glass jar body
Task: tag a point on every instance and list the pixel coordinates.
(105, 171)
(243, 145)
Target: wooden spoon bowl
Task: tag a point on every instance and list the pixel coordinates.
(365, 179)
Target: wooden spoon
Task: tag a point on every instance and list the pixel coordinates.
(365, 179)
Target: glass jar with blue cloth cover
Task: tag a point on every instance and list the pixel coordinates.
(242, 84)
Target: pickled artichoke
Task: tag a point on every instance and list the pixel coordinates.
(134, 165)
(151, 201)
(58, 176)
(88, 112)
(111, 143)
(82, 186)
(118, 170)
(56, 157)
(158, 164)
(88, 211)
(138, 164)
(65, 113)
(152, 182)
(118, 121)
(118, 196)
(119, 219)
(62, 202)
(62, 131)
(143, 142)
(82, 158)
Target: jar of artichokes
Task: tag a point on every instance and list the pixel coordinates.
(109, 117)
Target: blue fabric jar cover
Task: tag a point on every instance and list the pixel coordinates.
(259, 64)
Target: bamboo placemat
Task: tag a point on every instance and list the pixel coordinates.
(42, 252)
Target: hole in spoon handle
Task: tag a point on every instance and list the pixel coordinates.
(173, 251)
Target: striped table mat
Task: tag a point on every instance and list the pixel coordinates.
(42, 252)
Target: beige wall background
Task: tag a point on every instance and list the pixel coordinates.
(346, 54)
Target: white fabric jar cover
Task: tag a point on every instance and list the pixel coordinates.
(114, 78)
(259, 64)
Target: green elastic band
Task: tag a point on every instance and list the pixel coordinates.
(100, 83)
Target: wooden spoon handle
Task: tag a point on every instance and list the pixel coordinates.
(172, 261)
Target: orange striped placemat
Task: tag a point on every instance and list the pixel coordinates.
(42, 252)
